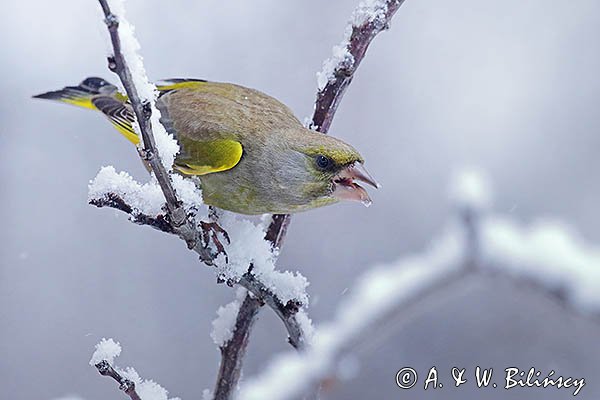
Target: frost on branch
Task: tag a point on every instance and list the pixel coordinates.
(129, 380)
(106, 349)
(144, 198)
(248, 247)
(166, 144)
(342, 59)
(306, 325)
(224, 324)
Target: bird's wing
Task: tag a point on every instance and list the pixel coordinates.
(197, 157)
(119, 113)
(214, 121)
(206, 157)
(215, 151)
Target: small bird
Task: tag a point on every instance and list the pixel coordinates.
(250, 153)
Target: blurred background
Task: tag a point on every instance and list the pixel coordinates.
(511, 87)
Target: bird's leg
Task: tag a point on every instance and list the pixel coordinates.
(211, 231)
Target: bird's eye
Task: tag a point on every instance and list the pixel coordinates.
(324, 162)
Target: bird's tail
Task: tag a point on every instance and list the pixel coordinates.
(82, 94)
(97, 94)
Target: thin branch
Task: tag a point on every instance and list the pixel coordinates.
(125, 384)
(113, 200)
(286, 312)
(233, 352)
(326, 105)
(330, 96)
(142, 108)
(143, 111)
(277, 229)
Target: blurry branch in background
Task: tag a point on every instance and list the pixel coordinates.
(548, 257)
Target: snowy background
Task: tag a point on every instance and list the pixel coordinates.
(511, 87)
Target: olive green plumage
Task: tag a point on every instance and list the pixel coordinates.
(250, 153)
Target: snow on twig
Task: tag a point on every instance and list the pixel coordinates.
(129, 380)
(231, 332)
(368, 19)
(146, 91)
(127, 64)
(224, 324)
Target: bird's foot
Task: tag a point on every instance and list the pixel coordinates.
(210, 236)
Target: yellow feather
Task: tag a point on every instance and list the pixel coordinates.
(85, 102)
(210, 156)
(180, 85)
(129, 134)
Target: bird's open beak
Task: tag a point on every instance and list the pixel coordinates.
(344, 187)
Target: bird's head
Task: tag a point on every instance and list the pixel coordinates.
(294, 170)
(334, 168)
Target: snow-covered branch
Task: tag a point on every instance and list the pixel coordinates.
(142, 96)
(128, 379)
(368, 19)
(231, 331)
(549, 256)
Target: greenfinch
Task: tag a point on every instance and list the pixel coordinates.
(249, 152)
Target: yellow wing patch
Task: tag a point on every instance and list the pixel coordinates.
(84, 102)
(127, 131)
(207, 157)
(119, 113)
(176, 84)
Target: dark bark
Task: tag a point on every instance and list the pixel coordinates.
(233, 352)
(125, 384)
